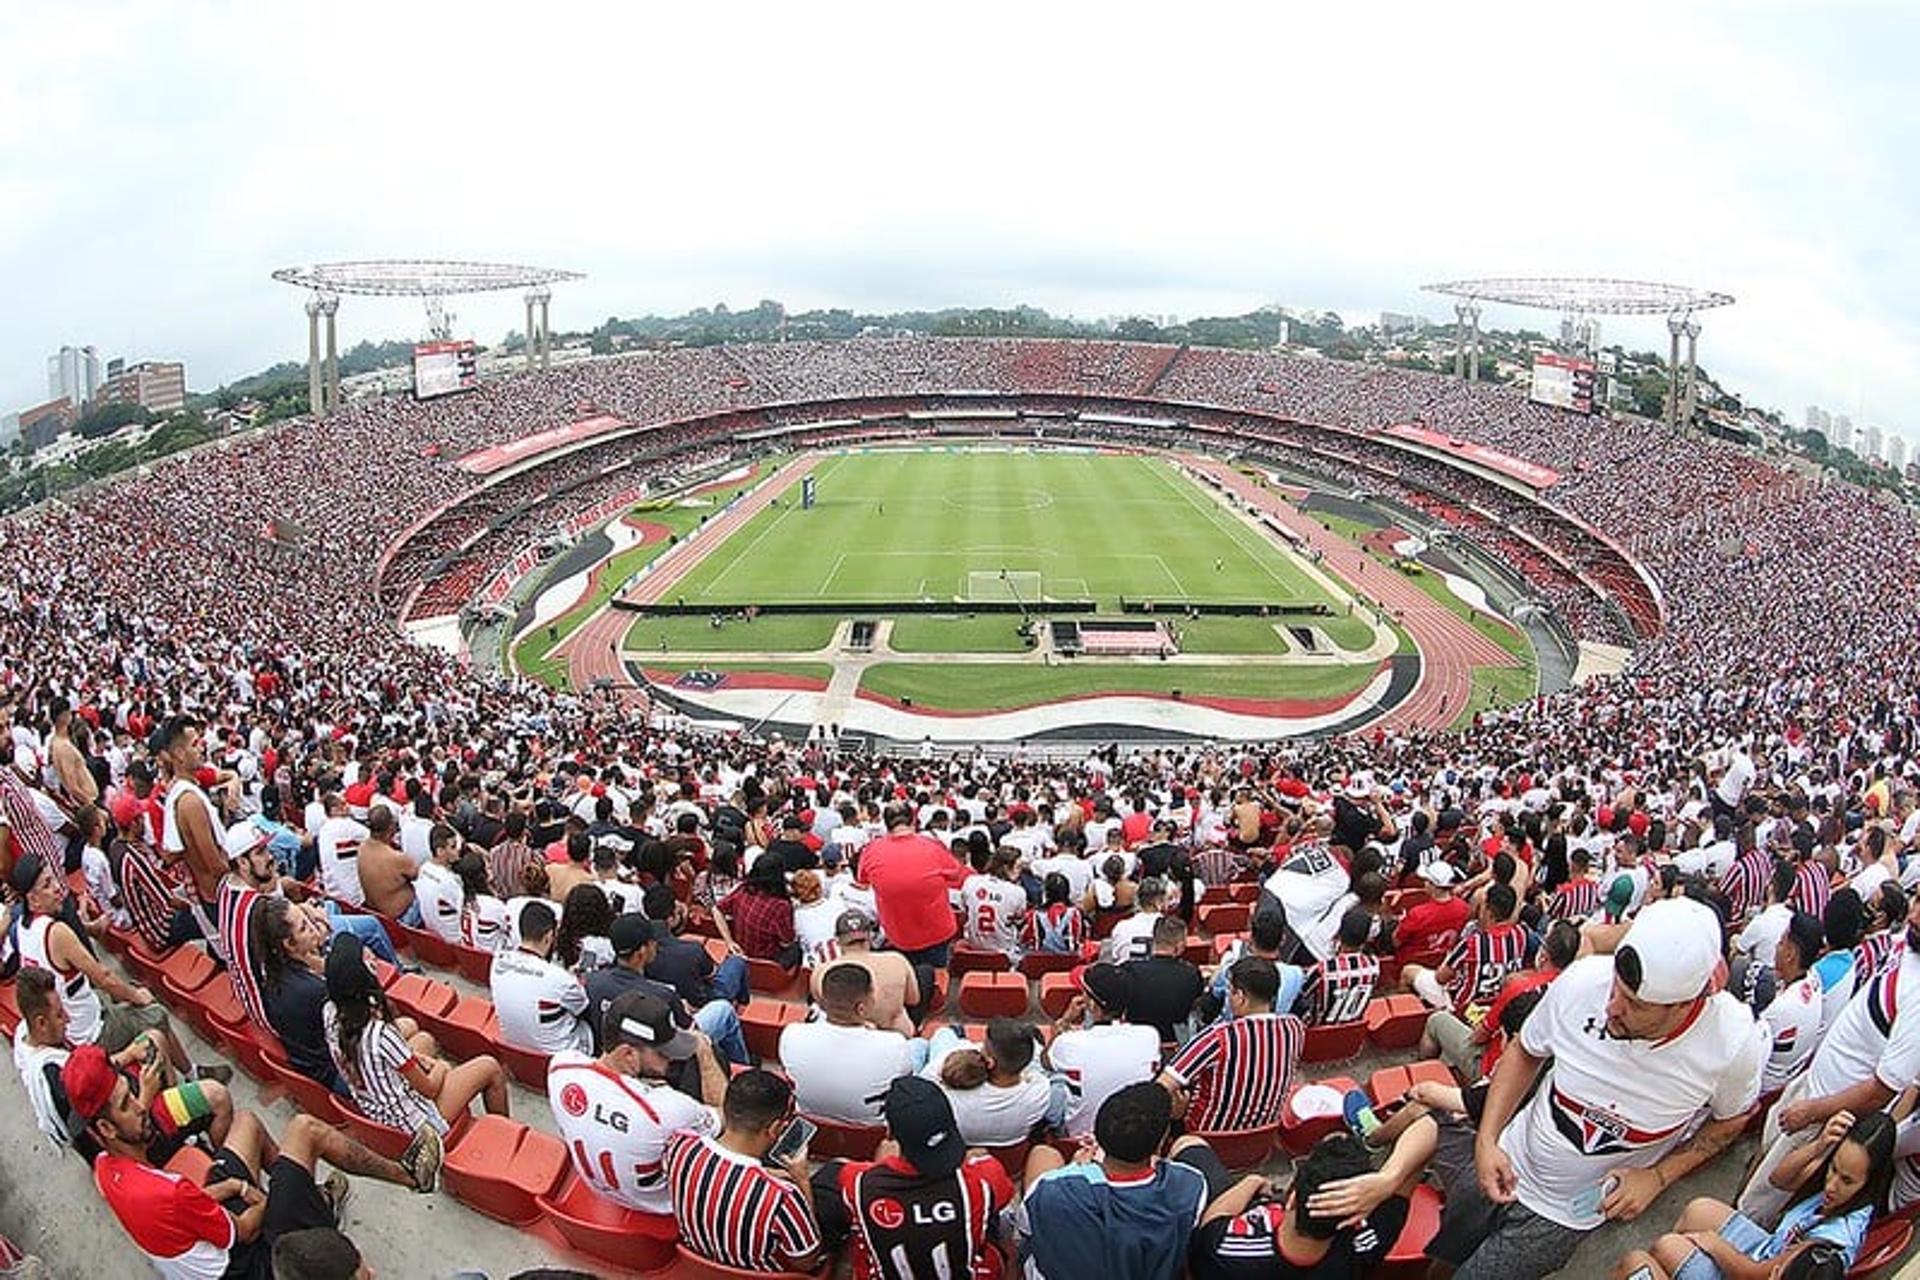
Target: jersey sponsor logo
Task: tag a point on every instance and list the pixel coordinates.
(574, 1100)
(887, 1214)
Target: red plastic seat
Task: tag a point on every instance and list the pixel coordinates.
(249, 1047)
(1243, 1149)
(501, 1168)
(1215, 894)
(993, 995)
(1886, 1240)
(1223, 943)
(421, 997)
(762, 1021)
(1391, 1083)
(385, 1139)
(9, 1009)
(144, 961)
(1298, 1135)
(688, 1265)
(1407, 1258)
(309, 1095)
(836, 1141)
(191, 1163)
(1334, 1042)
(1198, 951)
(1012, 1157)
(525, 1065)
(469, 1029)
(1038, 964)
(974, 1031)
(430, 948)
(1223, 917)
(768, 978)
(608, 1232)
(185, 971)
(475, 965)
(978, 960)
(1247, 891)
(1395, 1022)
(1056, 993)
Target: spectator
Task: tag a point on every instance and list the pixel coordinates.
(507, 860)
(1057, 928)
(616, 1113)
(994, 903)
(840, 1067)
(911, 876)
(1237, 1074)
(540, 1005)
(951, 1196)
(1094, 1049)
(1132, 937)
(1337, 990)
(386, 873)
(483, 918)
(291, 951)
(998, 1098)
(1166, 985)
(896, 983)
(438, 889)
(1432, 927)
(1791, 1020)
(1473, 971)
(317, 1253)
(1473, 1049)
(759, 916)
(688, 967)
(636, 943)
(581, 944)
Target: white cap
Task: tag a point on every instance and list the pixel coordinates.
(1358, 788)
(1438, 873)
(242, 838)
(1677, 941)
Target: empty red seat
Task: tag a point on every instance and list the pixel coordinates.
(1198, 951)
(1886, 1240)
(1223, 943)
(469, 1029)
(501, 1168)
(144, 961)
(1407, 1259)
(836, 1141)
(1299, 1133)
(1395, 1022)
(1038, 964)
(768, 978)
(430, 948)
(475, 965)
(978, 960)
(1335, 1042)
(762, 1021)
(1223, 917)
(385, 1139)
(1243, 1149)
(1056, 993)
(185, 971)
(525, 1065)
(993, 995)
(1247, 891)
(1012, 1157)
(1391, 1083)
(308, 1094)
(608, 1232)
(420, 997)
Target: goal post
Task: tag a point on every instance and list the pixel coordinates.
(1003, 585)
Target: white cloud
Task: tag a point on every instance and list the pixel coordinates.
(156, 162)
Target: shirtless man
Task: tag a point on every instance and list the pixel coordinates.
(895, 989)
(386, 873)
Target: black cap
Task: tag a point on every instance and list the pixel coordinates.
(26, 873)
(644, 1020)
(1109, 985)
(921, 1120)
(632, 931)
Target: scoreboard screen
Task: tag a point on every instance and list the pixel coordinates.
(1565, 382)
(442, 368)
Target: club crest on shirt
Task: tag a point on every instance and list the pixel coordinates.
(1594, 1130)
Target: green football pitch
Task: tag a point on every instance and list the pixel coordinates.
(982, 525)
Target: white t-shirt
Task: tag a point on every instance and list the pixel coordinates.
(1792, 1025)
(1628, 1101)
(416, 837)
(486, 926)
(842, 1073)
(338, 842)
(813, 925)
(538, 1003)
(626, 898)
(1132, 938)
(440, 895)
(32, 1060)
(1309, 881)
(994, 909)
(1763, 933)
(1878, 1033)
(1098, 1062)
(616, 1128)
(1078, 871)
(995, 1115)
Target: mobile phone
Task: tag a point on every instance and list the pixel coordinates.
(792, 1140)
(153, 1052)
(1640, 1273)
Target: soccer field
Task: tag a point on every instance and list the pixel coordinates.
(983, 525)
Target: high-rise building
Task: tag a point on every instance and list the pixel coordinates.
(156, 385)
(73, 372)
(1817, 420)
(1896, 451)
(1842, 435)
(1870, 443)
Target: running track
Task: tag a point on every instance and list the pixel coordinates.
(1449, 648)
(593, 651)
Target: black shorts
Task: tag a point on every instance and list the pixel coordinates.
(294, 1203)
(1205, 1161)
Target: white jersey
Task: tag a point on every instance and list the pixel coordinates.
(171, 840)
(842, 1073)
(1620, 1104)
(1792, 1025)
(440, 896)
(995, 1115)
(538, 1003)
(338, 842)
(1132, 938)
(624, 898)
(1098, 1062)
(813, 925)
(616, 1128)
(484, 924)
(1877, 1034)
(81, 1001)
(994, 910)
(1078, 871)
(1307, 882)
(33, 1062)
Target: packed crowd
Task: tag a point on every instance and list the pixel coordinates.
(171, 687)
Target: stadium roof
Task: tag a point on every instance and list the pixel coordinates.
(1586, 295)
(418, 278)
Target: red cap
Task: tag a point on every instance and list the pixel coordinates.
(89, 1078)
(125, 808)
(1638, 822)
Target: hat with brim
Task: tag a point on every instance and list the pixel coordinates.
(644, 1020)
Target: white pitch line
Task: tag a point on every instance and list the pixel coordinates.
(1234, 529)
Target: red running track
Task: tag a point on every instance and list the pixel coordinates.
(593, 651)
(1449, 648)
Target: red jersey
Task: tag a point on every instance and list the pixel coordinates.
(906, 1225)
(911, 875)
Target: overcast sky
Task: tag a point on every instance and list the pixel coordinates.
(157, 161)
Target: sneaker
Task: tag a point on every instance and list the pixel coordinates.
(421, 1159)
(1357, 1108)
(219, 1073)
(337, 1191)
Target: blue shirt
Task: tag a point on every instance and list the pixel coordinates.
(1292, 979)
(1077, 1225)
(1804, 1222)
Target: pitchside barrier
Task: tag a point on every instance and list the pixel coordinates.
(860, 608)
(1227, 608)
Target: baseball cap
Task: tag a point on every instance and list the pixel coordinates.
(1437, 873)
(88, 1078)
(642, 1019)
(26, 873)
(125, 808)
(632, 931)
(1619, 896)
(921, 1120)
(853, 923)
(241, 839)
(1677, 943)
(1110, 985)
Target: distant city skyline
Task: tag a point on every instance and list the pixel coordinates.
(879, 159)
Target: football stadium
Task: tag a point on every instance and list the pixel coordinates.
(1112, 778)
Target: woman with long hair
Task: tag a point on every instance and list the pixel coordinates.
(397, 1080)
(483, 917)
(582, 944)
